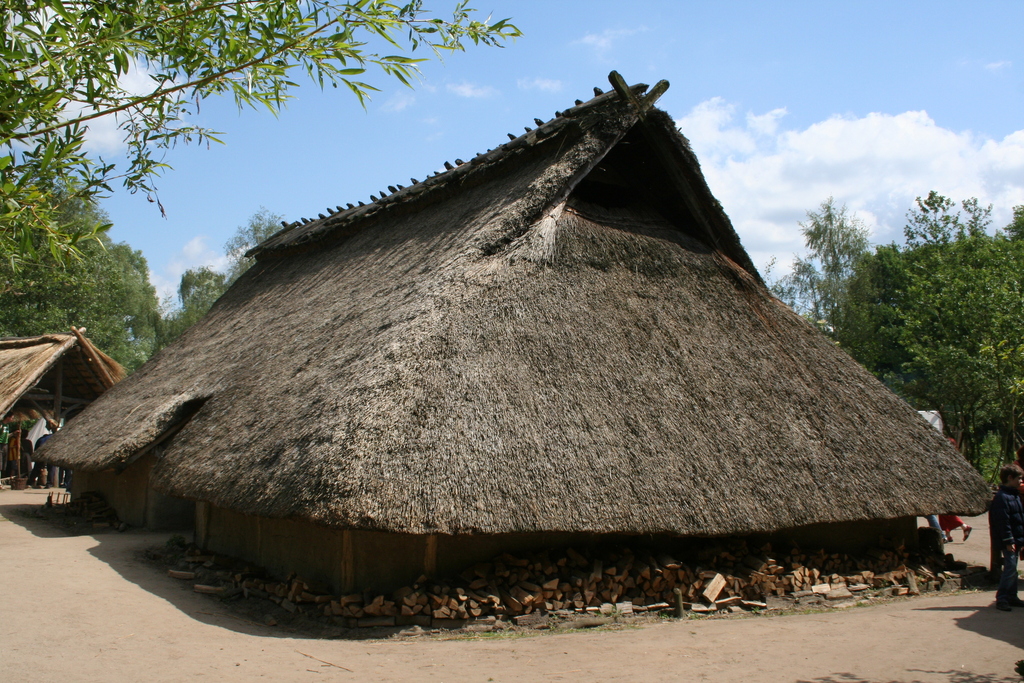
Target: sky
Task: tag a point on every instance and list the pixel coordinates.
(785, 104)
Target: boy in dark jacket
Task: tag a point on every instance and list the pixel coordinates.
(1006, 524)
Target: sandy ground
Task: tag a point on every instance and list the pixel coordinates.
(84, 609)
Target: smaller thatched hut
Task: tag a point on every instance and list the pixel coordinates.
(53, 376)
(56, 376)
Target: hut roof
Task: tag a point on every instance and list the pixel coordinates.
(31, 368)
(562, 334)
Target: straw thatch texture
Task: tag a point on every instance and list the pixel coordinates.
(568, 337)
(27, 373)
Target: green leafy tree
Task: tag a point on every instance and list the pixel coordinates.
(934, 221)
(106, 290)
(64, 65)
(198, 290)
(1015, 230)
(963, 312)
(260, 226)
(873, 324)
(816, 288)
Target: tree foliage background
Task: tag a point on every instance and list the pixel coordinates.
(106, 290)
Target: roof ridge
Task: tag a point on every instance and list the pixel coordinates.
(20, 342)
(399, 194)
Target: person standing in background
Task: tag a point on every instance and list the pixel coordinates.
(1006, 525)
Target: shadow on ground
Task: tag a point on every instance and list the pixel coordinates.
(952, 677)
(125, 553)
(989, 622)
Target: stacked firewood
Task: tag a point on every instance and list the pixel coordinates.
(93, 507)
(622, 581)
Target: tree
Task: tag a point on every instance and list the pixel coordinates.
(835, 241)
(198, 290)
(261, 225)
(106, 290)
(1015, 230)
(65, 64)
(933, 221)
(873, 326)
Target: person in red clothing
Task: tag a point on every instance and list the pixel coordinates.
(950, 522)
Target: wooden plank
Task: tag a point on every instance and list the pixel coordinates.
(714, 587)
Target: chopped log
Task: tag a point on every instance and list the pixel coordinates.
(174, 574)
(207, 590)
(714, 587)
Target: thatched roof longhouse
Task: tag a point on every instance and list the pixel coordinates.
(47, 376)
(562, 334)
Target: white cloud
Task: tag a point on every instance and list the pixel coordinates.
(194, 254)
(603, 42)
(768, 178)
(465, 89)
(545, 84)
(765, 124)
(996, 66)
(398, 102)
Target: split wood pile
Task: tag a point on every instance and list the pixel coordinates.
(93, 507)
(570, 583)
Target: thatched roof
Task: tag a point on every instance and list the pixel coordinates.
(32, 369)
(563, 334)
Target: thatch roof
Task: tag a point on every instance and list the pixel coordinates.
(35, 370)
(563, 334)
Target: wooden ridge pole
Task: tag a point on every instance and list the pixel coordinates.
(97, 364)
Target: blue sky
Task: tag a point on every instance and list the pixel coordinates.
(873, 103)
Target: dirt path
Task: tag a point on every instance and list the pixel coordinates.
(84, 609)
